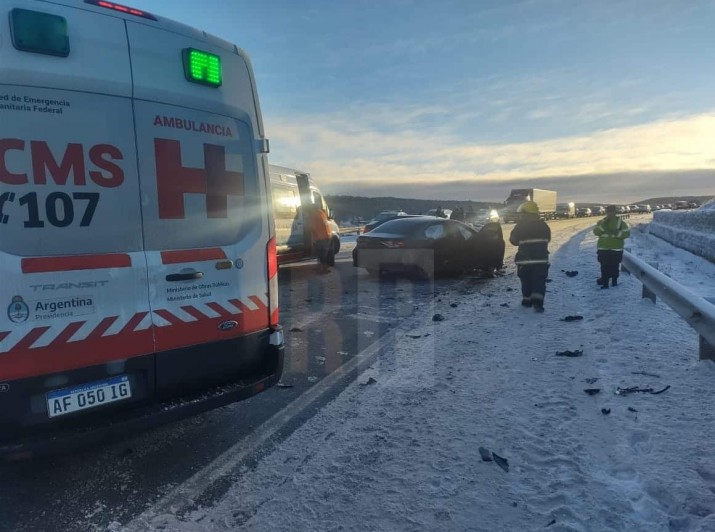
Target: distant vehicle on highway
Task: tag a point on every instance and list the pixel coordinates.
(599, 210)
(693, 205)
(545, 199)
(643, 209)
(679, 205)
(565, 210)
(584, 212)
(294, 193)
(427, 246)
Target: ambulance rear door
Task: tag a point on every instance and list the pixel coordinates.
(74, 276)
(205, 209)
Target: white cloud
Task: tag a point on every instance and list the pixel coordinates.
(351, 152)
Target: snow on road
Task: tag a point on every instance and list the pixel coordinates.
(402, 453)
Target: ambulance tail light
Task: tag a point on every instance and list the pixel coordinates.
(272, 282)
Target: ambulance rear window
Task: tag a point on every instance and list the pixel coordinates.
(40, 33)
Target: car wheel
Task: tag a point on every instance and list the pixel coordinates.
(336, 245)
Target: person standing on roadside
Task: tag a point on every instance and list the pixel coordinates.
(320, 233)
(611, 232)
(532, 235)
(494, 236)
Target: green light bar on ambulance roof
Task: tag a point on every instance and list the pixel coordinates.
(202, 67)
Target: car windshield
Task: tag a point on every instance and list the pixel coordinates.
(357, 265)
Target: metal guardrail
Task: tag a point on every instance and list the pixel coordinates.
(695, 310)
(349, 230)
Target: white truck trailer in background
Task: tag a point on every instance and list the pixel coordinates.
(545, 199)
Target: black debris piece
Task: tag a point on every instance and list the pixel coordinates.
(570, 273)
(637, 389)
(485, 454)
(515, 504)
(438, 317)
(504, 305)
(551, 523)
(592, 391)
(308, 300)
(296, 329)
(368, 382)
(572, 318)
(509, 289)
(453, 305)
(605, 411)
(661, 391)
(549, 280)
(501, 462)
(413, 335)
(590, 380)
(645, 373)
(631, 409)
(576, 353)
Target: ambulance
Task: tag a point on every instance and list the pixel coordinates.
(295, 193)
(137, 242)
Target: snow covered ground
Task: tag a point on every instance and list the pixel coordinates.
(693, 230)
(401, 453)
(693, 272)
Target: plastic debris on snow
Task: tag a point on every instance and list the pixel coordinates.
(438, 317)
(645, 373)
(489, 456)
(572, 318)
(592, 391)
(368, 382)
(501, 462)
(576, 353)
(415, 336)
(637, 389)
(570, 273)
(605, 411)
(590, 380)
(296, 329)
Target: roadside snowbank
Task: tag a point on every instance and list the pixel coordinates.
(691, 230)
(695, 273)
(402, 453)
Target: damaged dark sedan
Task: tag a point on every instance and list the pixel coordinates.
(428, 246)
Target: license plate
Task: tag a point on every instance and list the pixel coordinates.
(84, 396)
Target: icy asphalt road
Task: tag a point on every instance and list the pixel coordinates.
(406, 452)
(338, 316)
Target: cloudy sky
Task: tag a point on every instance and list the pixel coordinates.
(603, 100)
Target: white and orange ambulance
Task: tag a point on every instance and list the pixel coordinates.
(137, 250)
